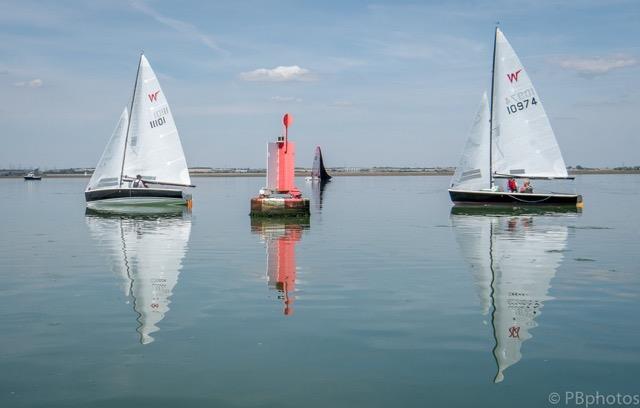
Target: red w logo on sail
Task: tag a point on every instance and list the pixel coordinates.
(514, 76)
(154, 96)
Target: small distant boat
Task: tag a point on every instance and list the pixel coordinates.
(511, 138)
(318, 171)
(32, 176)
(143, 163)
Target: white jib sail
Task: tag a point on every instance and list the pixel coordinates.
(523, 142)
(472, 172)
(107, 172)
(153, 148)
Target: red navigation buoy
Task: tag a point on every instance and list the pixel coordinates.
(280, 197)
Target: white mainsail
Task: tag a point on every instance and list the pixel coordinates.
(472, 173)
(513, 260)
(153, 147)
(107, 172)
(523, 141)
(147, 252)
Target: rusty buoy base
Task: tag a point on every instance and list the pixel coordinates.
(279, 207)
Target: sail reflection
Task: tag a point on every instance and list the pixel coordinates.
(146, 252)
(317, 192)
(513, 259)
(281, 236)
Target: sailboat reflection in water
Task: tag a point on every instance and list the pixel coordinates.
(281, 236)
(513, 260)
(317, 193)
(146, 252)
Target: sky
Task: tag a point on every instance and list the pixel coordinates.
(388, 83)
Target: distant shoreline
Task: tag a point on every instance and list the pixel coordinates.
(336, 173)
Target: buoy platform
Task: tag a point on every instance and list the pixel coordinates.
(279, 207)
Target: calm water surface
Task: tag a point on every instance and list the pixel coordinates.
(384, 297)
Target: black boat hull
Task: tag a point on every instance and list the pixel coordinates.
(135, 197)
(462, 197)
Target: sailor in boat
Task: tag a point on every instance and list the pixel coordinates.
(526, 187)
(512, 185)
(138, 182)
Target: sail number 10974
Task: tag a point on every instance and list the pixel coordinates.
(522, 105)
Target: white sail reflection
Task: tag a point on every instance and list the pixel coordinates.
(146, 252)
(513, 260)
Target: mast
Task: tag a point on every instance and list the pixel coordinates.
(126, 138)
(493, 69)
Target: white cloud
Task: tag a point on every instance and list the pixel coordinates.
(594, 66)
(285, 99)
(278, 74)
(34, 83)
(182, 27)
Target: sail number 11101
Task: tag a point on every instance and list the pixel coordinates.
(522, 105)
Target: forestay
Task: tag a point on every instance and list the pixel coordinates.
(472, 173)
(153, 147)
(107, 172)
(523, 142)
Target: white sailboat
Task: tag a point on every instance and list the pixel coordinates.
(511, 138)
(146, 253)
(143, 162)
(513, 260)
